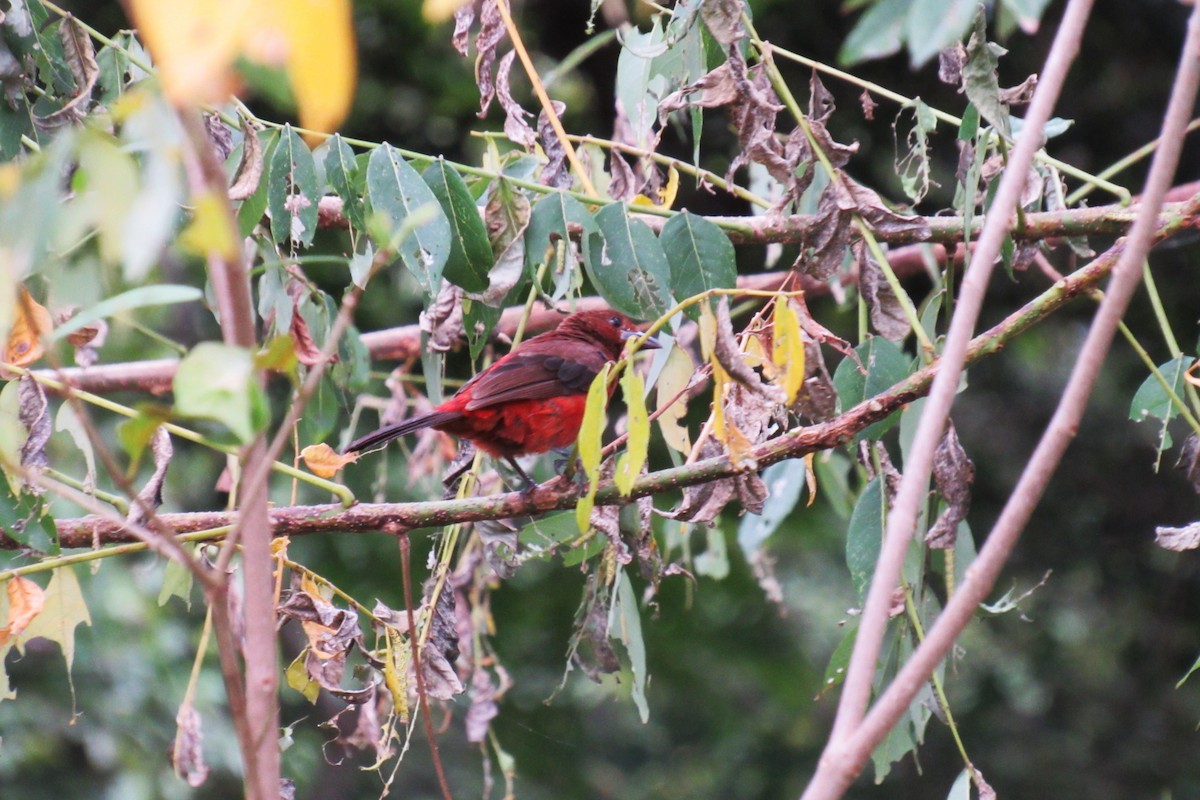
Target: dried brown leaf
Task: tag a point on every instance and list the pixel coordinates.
(950, 64)
(80, 56)
(358, 727)
(723, 18)
(307, 352)
(730, 356)
(491, 31)
(1178, 539)
(1021, 94)
(1189, 459)
(886, 313)
(953, 474)
(820, 101)
(483, 706)
(704, 502)
(623, 185)
(250, 168)
(464, 17)
(187, 751)
(323, 461)
(150, 497)
(25, 601)
(868, 105)
(34, 416)
(32, 322)
(515, 126)
(590, 649)
(557, 172)
(443, 319)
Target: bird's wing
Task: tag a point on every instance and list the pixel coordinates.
(525, 375)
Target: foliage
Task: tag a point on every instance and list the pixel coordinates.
(137, 195)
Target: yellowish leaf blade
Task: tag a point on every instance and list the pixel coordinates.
(674, 378)
(321, 61)
(64, 610)
(590, 433)
(788, 350)
(323, 461)
(194, 44)
(438, 11)
(636, 449)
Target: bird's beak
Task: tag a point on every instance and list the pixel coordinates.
(649, 343)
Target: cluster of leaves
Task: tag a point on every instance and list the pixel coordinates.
(98, 167)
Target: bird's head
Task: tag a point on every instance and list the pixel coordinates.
(610, 329)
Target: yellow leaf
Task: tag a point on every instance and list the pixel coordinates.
(195, 44)
(810, 478)
(398, 657)
(211, 230)
(590, 432)
(25, 601)
(631, 462)
(30, 323)
(438, 11)
(666, 195)
(297, 677)
(321, 60)
(323, 462)
(788, 351)
(674, 378)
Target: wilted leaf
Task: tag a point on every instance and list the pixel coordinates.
(25, 601)
(491, 31)
(1178, 539)
(187, 751)
(590, 648)
(358, 726)
(483, 706)
(884, 308)
(441, 647)
(35, 418)
(703, 502)
(979, 76)
(250, 168)
(515, 126)
(150, 497)
(323, 461)
(31, 322)
(953, 474)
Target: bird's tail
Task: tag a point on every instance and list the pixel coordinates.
(389, 432)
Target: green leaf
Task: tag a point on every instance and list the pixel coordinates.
(177, 582)
(879, 32)
(864, 537)
(67, 420)
(628, 265)
(26, 520)
(292, 192)
(342, 173)
(835, 670)
(397, 191)
(785, 482)
(63, 611)
(886, 366)
(1028, 12)
(934, 25)
(630, 464)
(591, 430)
(1153, 400)
(980, 81)
(549, 223)
(625, 624)
(714, 561)
(701, 257)
(153, 295)
(639, 85)
(217, 382)
(108, 182)
(470, 251)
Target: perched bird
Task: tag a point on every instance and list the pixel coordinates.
(532, 399)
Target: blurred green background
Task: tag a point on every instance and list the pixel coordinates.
(1074, 697)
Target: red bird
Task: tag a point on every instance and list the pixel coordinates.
(532, 399)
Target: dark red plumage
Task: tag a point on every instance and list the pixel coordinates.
(532, 399)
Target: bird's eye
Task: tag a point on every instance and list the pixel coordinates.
(614, 321)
